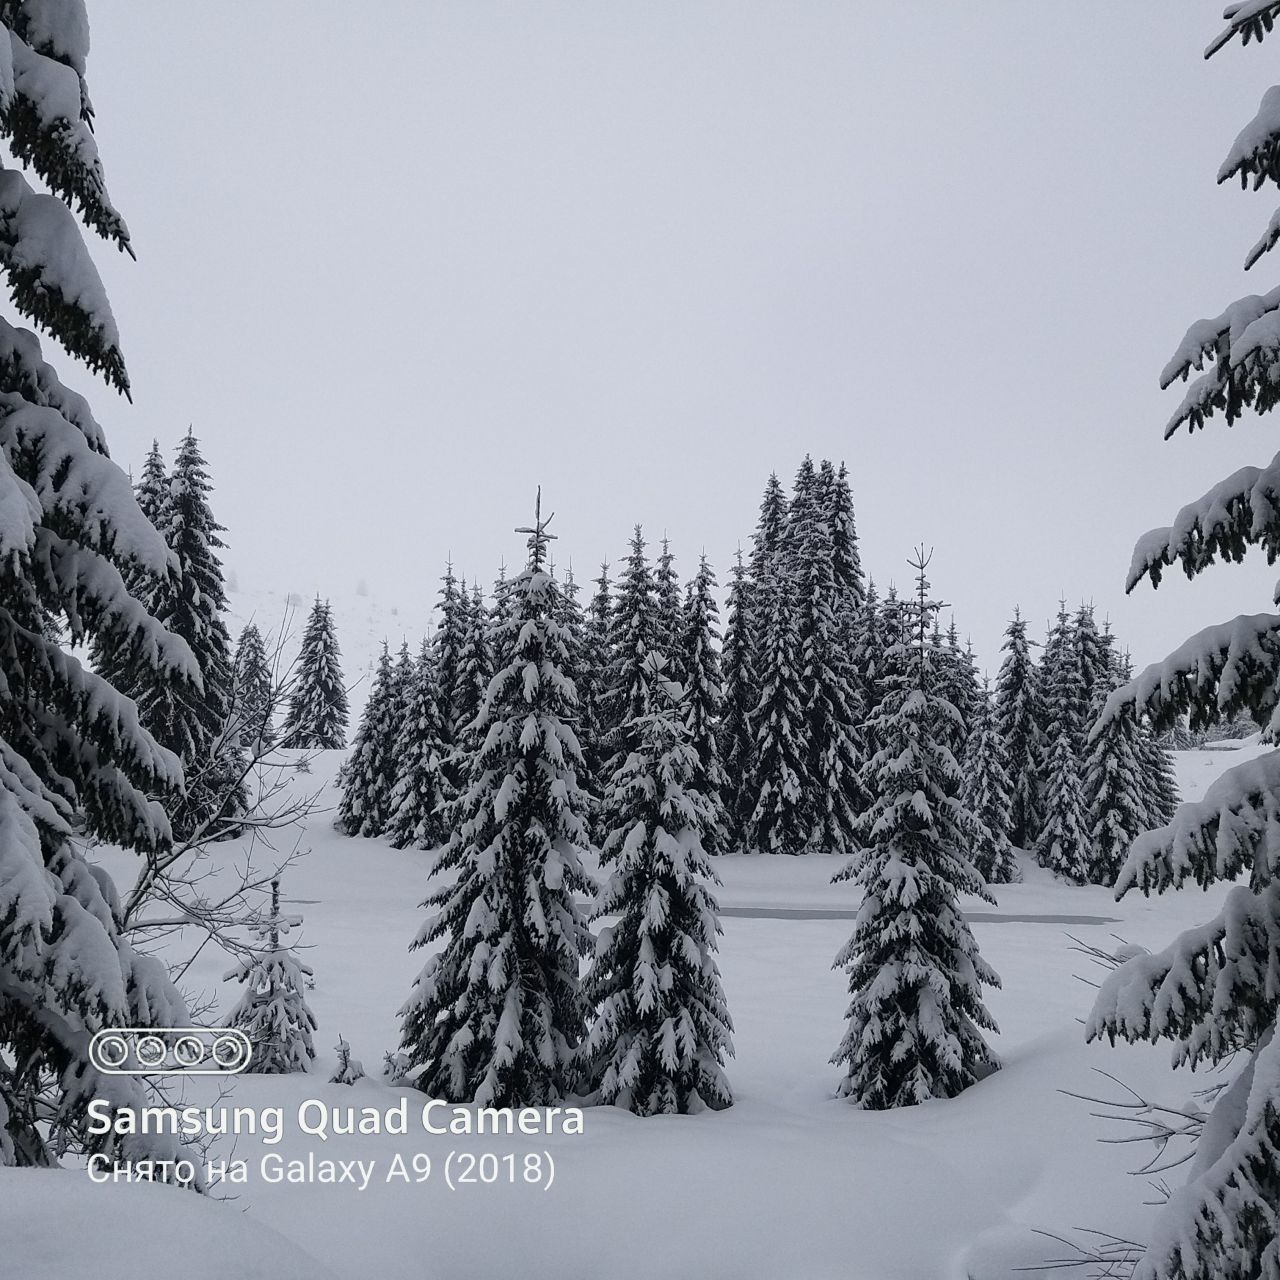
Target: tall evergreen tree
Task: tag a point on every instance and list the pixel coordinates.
(770, 530)
(779, 781)
(496, 1016)
(915, 976)
(702, 703)
(826, 733)
(986, 795)
(633, 636)
(661, 1030)
(846, 557)
(415, 805)
(368, 777)
(593, 686)
(74, 760)
(449, 639)
(736, 739)
(1113, 789)
(1063, 845)
(1212, 991)
(1017, 711)
(668, 622)
(253, 692)
(193, 724)
(318, 710)
(475, 670)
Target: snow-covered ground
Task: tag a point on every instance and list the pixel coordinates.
(788, 1183)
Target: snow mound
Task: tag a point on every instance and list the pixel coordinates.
(136, 1230)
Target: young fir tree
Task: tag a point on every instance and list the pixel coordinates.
(415, 806)
(368, 777)
(735, 738)
(253, 691)
(1093, 654)
(661, 1031)
(1212, 991)
(496, 1016)
(74, 760)
(193, 724)
(703, 700)
(633, 636)
(318, 711)
(916, 1017)
(827, 689)
(273, 1010)
(1017, 712)
(986, 795)
(668, 621)
(1063, 845)
(779, 780)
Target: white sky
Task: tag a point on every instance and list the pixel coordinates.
(399, 265)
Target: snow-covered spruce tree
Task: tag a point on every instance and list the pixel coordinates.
(1213, 990)
(369, 775)
(318, 711)
(826, 732)
(633, 635)
(252, 692)
(592, 684)
(449, 638)
(496, 1016)
(1018, 716)
(194, 723)
(73, 756)
(1160, 794)
(273, 1011)
(986, 796)
(420, 790)
(475, 670)
(916, 1018)
(703, 699)
(846, 558)
(779, 779)
(668, 621)
(770, 530)
(1113, 788)
(736, 740)
(866, 653)
(1063, 845)
(661, 1031)
(1096, 662)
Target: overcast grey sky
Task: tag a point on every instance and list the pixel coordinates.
(399, 265)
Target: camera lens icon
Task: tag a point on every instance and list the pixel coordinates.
(188, 1051)
(112, 1051)
(151, 1051)
(170, 1051)
(231, 1051)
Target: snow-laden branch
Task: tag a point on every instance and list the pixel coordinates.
(1226, 670)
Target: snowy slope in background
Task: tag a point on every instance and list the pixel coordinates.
(362, 622)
